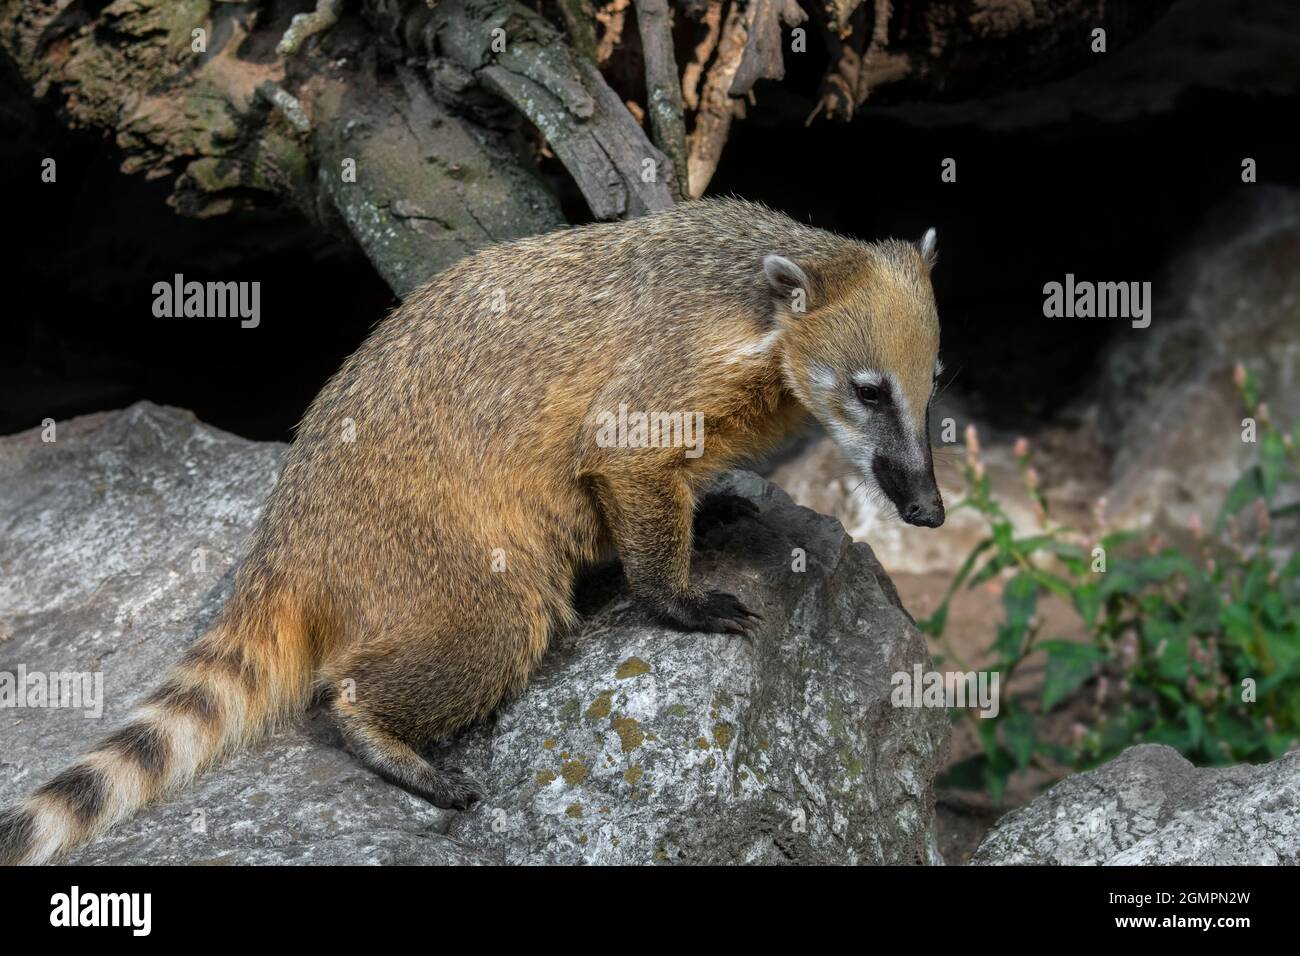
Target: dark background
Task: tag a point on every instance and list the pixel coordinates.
(1105, 175)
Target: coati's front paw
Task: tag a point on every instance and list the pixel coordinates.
(715, 612)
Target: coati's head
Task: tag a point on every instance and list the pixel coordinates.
(860, 344)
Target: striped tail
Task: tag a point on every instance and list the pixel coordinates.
(238, 681)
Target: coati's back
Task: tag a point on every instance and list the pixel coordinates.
(499, 338)
(464, 410)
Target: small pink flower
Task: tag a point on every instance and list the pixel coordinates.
(1239, 375)
(1021, 449)
(1099, 512)
(1194, 523)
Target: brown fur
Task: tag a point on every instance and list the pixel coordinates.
(461, 432)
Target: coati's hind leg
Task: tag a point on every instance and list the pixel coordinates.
(396, 696)
(396, 761)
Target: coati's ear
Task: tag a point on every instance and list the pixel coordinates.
(927, 247)
(788, 282)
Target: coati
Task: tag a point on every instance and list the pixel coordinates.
(421, 543)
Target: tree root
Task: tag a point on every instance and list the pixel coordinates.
(306, 25)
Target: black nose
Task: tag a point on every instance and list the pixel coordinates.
(927, 514)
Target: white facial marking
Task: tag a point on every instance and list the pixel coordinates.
(758, 348)
(821, 379)
(900, 400)
(868, 377)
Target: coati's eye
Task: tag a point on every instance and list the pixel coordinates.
(869, 394)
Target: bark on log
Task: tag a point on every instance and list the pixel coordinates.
(515, 53)
(225, 122)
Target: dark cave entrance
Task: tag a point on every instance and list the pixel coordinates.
(1105, 201)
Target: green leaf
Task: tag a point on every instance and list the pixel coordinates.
(1057, 585)
(996, 772)
(1116, 538)
(1087, 601)
(1248, 487)
(992, 567)
(1020, 599)
(1168, 643)
(1044, 542)
(1249, 391)
(1171, 736)
(1172, 693)
(1292, 568)
(1195, 724)
(1068, 666)
(937, 621)
(1238, 621)
(1018, 735)
(1002, 532)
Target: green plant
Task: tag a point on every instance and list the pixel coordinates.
(1199, 651)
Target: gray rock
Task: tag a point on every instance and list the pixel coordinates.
(1151, 806)
(633, 743)
(1167, 403)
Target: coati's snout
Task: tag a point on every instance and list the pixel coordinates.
(915, 493)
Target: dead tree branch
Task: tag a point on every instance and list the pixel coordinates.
(513, 52)
(663, 88)
(717, 108)
(763, 58)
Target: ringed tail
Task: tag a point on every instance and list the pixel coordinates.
(245, 676)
